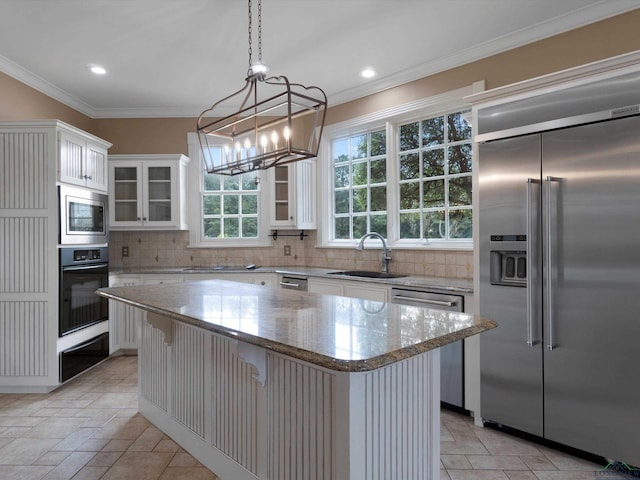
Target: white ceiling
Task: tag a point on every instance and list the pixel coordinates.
(176, 57)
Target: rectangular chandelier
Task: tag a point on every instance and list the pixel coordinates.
(278, 122)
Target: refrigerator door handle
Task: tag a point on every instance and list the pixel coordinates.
(549, 266)
(531, 341)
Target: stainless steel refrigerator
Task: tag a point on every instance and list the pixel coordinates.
(559, 237)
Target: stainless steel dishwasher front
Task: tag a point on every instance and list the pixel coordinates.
(294, 282)
(451, 355)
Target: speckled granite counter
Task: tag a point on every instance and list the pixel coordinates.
(339, 333)
(261, 383)
(454, 285)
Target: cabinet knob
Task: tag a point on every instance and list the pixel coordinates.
(144, 219)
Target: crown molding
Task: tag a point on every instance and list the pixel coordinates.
(579, 18)
(38, 83)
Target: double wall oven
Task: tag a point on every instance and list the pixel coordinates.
(84, 268)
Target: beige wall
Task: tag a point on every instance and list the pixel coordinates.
(594, 42)
(600, 40)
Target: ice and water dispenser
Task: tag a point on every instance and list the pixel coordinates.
(508, 267)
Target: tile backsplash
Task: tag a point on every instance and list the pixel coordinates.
(170, 249)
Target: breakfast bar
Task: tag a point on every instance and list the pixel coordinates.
(263, 383)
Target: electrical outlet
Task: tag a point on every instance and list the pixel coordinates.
(125, 251)
(287, 250)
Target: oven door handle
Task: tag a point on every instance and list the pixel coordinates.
(76, 268)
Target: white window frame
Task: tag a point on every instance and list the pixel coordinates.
(389, 119)
(196, 213)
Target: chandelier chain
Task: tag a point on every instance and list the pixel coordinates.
(259, 33)
(250, 34)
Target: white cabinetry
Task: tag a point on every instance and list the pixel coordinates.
(292, 196)
(82, 160)
(349, 288)
(124, 320)
(148, 192)
(30, 168)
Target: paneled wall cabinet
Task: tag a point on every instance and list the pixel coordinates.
(35, 156)
(82, 159)
(148, 192)
(292, 202)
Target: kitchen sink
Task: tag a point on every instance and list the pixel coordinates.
(366, 274)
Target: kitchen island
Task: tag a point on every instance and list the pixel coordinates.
(262, 383)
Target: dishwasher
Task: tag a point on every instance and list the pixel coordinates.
(452, 354)
(294, 282)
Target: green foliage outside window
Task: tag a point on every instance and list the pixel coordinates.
(230, 206)
(434, 168)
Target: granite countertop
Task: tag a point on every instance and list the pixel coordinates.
(447, 285)
(339, 333)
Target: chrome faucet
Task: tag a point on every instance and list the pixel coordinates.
(385, 251)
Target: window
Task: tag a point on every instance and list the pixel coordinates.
(435, 178)
(405, 173)
(230, 206)
(225, 211)
(360, 185)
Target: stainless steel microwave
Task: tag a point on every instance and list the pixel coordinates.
(83, 217)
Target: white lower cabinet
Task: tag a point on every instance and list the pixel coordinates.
(125, 320)
(349, 288)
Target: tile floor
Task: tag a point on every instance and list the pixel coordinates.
(90, 429)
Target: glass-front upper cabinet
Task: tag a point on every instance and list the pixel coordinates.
(292, 188)
(147, 192)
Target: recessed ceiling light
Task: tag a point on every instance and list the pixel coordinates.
(368, 73)
(97, 69)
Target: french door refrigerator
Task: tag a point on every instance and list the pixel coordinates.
(559, 227)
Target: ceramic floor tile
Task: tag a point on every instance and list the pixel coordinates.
(25, 451)
(478, 475)
(455, 448)
(496, 462)
(138, 466)
(456, 462)
(521, 475)
(52, 458)
(23, 472)
(538, 462)
(191, 473)
(98, 434)
(182, 459)
(90, 473)
(147, 441)
(104, 459)
(69, 466)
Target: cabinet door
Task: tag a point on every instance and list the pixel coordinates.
(71, 160)
(124, 320)
(316, 285)
(366, 291)
(96, 167)
(282, 206)
(125, 195)
(160, 195)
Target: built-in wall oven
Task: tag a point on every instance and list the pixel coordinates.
(83, 217)
(83, 270)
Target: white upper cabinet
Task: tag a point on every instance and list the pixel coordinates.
(292, 199)
(82, 160)
(148, 192)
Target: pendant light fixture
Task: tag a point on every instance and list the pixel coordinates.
(277, 122)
